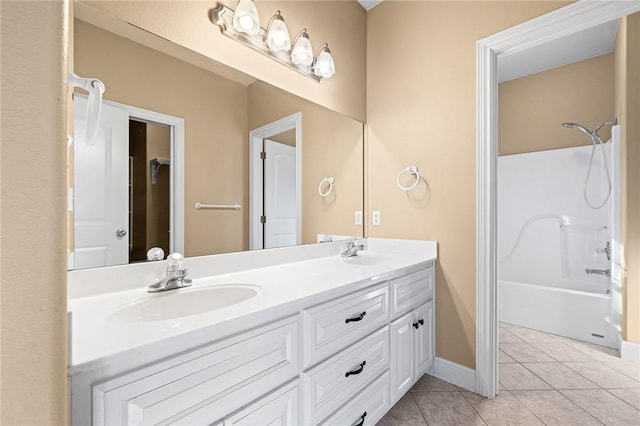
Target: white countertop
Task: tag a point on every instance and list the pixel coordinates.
(285, 288)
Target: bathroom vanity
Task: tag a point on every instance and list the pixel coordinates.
(301, 336)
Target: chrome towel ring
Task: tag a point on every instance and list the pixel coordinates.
(412, 170)
(329, 187)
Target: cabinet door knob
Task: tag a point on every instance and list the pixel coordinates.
(361, 421)
(358, 318)
(418, 324)
(357, 370)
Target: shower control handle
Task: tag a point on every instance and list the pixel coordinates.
(606, 250)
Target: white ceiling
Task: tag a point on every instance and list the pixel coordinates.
(587, 44)
(369, 4)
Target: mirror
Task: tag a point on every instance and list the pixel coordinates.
(218, 114)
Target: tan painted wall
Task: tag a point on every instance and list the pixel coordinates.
(215, 114)
(342, 24)
(33, 362)
(421, 110)
(627, 109)
(332, 145)
(532, 108)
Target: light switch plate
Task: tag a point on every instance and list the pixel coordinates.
(358, 217)
(375, 218)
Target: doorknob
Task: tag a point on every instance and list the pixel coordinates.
(121, 233)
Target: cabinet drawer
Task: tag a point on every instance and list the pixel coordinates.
(337, 380)
(279, 408)
(205, 384)
(410, 291)
(372, 403)
(334, 325)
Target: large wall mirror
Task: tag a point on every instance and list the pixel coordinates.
(177, 162)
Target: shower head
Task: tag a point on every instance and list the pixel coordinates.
(613, 123)
(577, 126)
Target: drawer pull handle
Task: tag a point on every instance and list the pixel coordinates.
(358, 318)
(361, 421)
(357, 370)
(418, 324)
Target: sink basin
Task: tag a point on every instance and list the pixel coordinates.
(182, 303)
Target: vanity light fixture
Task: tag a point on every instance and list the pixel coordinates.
(278, 38)
(274, 42)
(324, 66)
(245, 19)
(302, 52)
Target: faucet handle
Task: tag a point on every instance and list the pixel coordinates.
(174, 262)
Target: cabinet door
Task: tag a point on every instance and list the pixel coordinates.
(423, 339)
(279, 408)
(402, 354)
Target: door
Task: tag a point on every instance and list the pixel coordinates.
(402, 354)
(280, 208)
(424, 337)
(101, 193)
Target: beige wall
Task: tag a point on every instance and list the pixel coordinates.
(627, 109)
(342, 24)
(332, 145)
(532, 108)
(215, 114)
(33, 362)
(421, 110)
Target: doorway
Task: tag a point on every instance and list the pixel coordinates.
(275, 175)
(113, 195)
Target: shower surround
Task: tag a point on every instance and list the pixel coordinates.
(548, 236)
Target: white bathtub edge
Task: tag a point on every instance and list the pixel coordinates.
(630, 351)
(455, 373)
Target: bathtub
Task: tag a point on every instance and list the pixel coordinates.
(578, 314)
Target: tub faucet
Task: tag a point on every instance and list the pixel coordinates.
(175, 277)
(605, 272)
(352, 248)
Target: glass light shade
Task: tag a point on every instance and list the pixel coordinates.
(278, 38)
(302, 52)
(324, 66)
(245, 18)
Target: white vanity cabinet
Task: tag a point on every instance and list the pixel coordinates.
(204, 385)
(412, 329)
(340, 359)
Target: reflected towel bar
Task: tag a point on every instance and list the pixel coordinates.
(218, 206)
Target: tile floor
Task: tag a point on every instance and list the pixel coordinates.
(544, 380)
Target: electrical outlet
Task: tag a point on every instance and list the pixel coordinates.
(375, 218)
(358, 217)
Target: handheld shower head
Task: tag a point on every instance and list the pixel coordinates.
(577, 126)
(613, 123)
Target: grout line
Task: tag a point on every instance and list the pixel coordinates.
(525, 406)
(579, 406)
(419, 409)
(473, 408)
(629, 404)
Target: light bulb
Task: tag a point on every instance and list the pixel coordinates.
(324, 66)
(278, 35)
(245, 18)
(302, 52)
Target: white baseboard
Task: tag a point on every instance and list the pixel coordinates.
(451, 372)
(630, 351)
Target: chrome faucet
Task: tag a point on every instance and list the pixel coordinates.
(605, 272)
(352, 248)
(175, 277)
(606, 250)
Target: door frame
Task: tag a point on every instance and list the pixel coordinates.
(176, 173)
(256, 181)
(567, 20)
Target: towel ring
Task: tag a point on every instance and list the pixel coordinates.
(328, 180)
(413, 170)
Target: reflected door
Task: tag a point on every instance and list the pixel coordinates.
(280, 228)
(101, 193)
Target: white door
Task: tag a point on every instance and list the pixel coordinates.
(402, 354)
(101, 188)
(280, 228)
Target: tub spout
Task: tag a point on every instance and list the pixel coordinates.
(605, 272)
